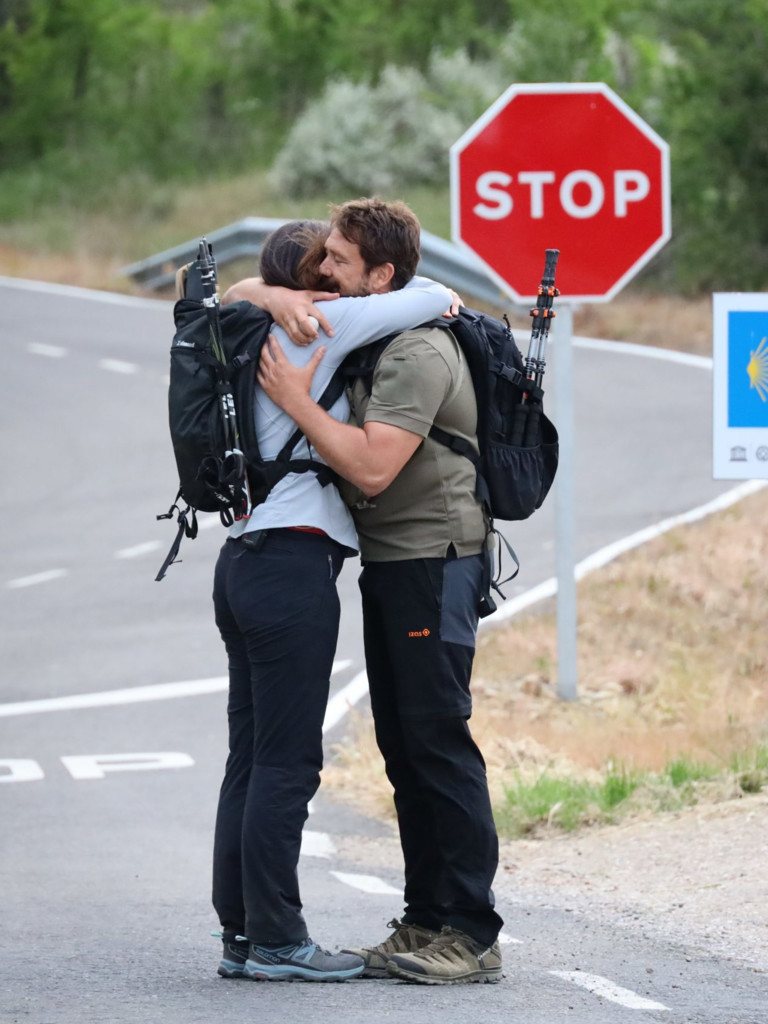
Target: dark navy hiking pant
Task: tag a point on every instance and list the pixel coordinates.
(278, 613)
(420, 620)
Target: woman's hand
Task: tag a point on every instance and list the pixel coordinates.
(294, 311)
(456, 302)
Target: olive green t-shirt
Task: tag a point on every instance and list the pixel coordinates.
(421, 379)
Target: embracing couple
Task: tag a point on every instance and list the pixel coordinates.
(409, 505)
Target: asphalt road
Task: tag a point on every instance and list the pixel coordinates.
(107, 808)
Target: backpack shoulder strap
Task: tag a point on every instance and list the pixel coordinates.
(361, 363)
(333, 391)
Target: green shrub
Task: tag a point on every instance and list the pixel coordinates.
(361, 138)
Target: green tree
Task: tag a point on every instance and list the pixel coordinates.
(715, 115)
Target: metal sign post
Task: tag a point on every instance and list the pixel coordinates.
(567, 672)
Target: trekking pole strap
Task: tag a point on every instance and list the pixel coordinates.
(185, 527)
(497, 583)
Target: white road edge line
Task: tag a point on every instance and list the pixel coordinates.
(130, 695)
(607, 554)
(629, 348)
(74, 292)
(609, 990)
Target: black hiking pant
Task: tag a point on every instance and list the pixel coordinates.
(420, 620)
(278, 613)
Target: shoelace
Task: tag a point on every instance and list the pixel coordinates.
(309, 942)
(220, 935)
(441, 943)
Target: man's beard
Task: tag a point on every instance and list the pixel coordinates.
(328, 284)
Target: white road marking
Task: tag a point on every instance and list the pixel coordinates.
(20, 769)
(118, 366)
(316, 844)
(131, 695)
(367, 883)
(139, 549)
(609, 990)
(39, 577)
(644, 351)
(72, 291)
(507, 940)
(607, 554)
(37, 348)
(96, 766)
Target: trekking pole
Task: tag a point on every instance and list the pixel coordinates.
(233, 470)
(526, 425)
(542, 314)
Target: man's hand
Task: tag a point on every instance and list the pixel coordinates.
(456, 301)
(287, 385)
(294, 311)
(369, 457)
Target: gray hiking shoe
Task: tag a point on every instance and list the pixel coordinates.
(406, 938)
(304, 961)
(453, 958)
(234, 954)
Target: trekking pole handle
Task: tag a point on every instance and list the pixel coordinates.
(542, 314)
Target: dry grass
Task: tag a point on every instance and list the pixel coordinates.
(661, 320)
(672, 658)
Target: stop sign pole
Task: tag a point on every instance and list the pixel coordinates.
(571, 167)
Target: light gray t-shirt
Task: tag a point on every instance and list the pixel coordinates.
(299, 500)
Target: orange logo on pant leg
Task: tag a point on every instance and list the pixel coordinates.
(420, 632)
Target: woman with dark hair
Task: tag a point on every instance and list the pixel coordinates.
(277, 610)
(292, 254)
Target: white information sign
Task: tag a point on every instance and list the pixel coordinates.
(740, 354)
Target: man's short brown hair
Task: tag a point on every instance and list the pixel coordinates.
(384, 232)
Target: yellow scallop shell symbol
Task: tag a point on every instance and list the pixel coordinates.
(757, 369)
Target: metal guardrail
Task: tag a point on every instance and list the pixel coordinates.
(441, 260)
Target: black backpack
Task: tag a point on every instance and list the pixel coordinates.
(518, 443)
(211, 415)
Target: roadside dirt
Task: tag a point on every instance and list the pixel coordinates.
(696, 878)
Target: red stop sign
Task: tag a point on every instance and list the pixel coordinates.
(568, 167)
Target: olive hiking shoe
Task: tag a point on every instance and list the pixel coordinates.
(406, 938)
(453, 958)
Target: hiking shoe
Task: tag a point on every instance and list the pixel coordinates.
(232, 963)
(303, 962)
(406, 938)
(453, 958)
